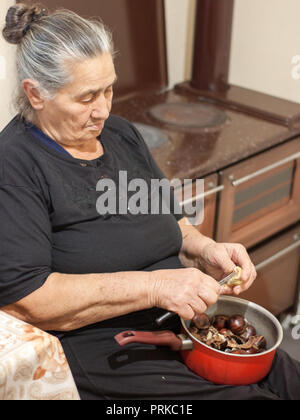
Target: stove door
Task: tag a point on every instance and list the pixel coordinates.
(261, 196)
(277, 265)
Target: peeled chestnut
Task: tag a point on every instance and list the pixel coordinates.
(237, 324)
(220, 322)
(249, 332)
(201, 321)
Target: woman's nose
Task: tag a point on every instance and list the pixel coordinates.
(101, 108)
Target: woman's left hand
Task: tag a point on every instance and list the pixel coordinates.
(216, 259)
(220, 259)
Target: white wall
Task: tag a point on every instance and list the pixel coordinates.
(180, 19)
(7, 79)
(266, 35)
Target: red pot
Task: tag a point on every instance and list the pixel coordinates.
(215, 365)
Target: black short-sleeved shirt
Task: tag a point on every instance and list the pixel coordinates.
(48, 216)
(49, 223)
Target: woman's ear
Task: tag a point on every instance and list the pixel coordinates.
(32, 91)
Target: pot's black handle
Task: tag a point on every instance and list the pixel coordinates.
(163, 318)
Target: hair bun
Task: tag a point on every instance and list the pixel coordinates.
(19, 19)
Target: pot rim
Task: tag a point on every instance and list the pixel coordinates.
(254, 306)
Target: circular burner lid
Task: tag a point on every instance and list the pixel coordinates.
(188, 115)
(152, 136)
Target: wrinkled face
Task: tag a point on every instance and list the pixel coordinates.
(79, 110)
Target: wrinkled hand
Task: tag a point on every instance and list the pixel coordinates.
(219, 260)
(186, 291)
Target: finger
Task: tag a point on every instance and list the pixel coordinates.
(241, 257)
(252, 277)
(210, 283)
(226, 290)
(248, 274)
(186, 313)
(198, 306)
(208, 296)
(224, 261)
(248, 283)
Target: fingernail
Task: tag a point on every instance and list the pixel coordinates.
(222, 290)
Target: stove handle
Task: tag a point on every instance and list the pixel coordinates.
(279, 254)
(202, 195)
(268, 168)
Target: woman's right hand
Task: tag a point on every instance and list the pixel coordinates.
(186, 291)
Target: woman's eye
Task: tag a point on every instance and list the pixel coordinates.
(87, 100)
(107, 93)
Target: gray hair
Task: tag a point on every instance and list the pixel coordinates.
(46, 43)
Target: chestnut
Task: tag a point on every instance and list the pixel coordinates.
(239, 351)
(229, 334)
(201, 321)
(220, 321)
(249, 332)
(252, 350)
(237, 324)
(203, 332)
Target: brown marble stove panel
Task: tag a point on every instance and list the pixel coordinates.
(196, 153)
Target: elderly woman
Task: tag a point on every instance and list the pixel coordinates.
(85, 276)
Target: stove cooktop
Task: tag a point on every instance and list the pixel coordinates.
(190, 137)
